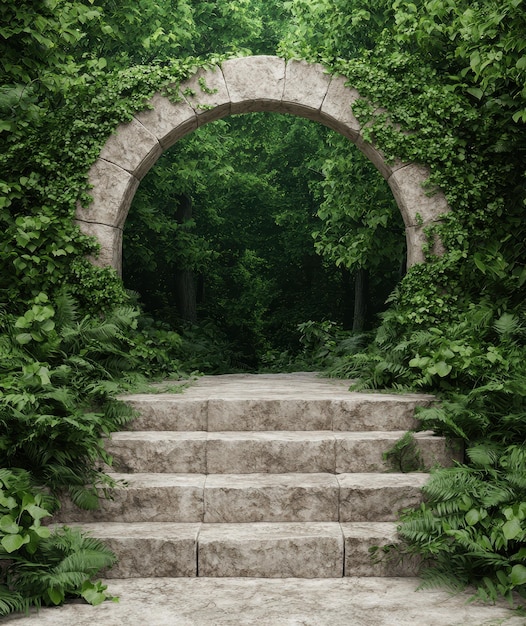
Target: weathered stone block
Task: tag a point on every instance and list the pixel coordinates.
(206, 92)
(158, 451)
(113, 191)
(271, 550)
(133, 148)
(168, 121)
(336, 109)
(167, 412)
(258, 79)
(414, 201)
(272, 452)
(306, 86)
(378, 497)
(360, 537)
(110, 240)
(271, 498)
(150, 550)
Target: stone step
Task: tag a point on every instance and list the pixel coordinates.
(341, 411)
(243, 498)
(266, 550)
(268, 452)
(350, 601)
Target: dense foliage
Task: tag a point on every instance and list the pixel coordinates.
(452, 74)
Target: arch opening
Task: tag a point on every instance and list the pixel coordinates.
(242, 85)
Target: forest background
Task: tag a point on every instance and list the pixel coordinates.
(264, 242)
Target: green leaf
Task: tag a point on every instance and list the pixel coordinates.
(512, 528)
(8, 525)
(518, 575)
(442, 368)
(472, 517)
(11, 543)
(55, 595)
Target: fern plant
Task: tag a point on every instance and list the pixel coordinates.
(39, 565)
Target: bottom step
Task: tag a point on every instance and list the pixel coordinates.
(275, 602)
(267, 550)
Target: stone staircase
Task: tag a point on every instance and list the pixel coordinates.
(270, 476)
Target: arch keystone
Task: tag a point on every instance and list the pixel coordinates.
(258, 79)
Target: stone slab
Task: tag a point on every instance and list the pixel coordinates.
(265, 414)
(414, 201)
(110, 240)
(149, 549)
(360, 537)
(378, 497)
(158, 451)
(270, 452)
(174, 412)
(362, 452)
(276, 602)
(145, 498)
(271, 498)
(272, 550)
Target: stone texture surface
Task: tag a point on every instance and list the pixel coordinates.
(412, 198)
(165, 451)
(362, 451)
(146, 498)
(258, 79)
(272, 452)
(272, 550)
(227, 414)
(360, 537)
(110, 240)
(149, 549)
(275, 602)
(168, 121)
(175, 412)
(113, 190)
(306, 86)
(378, 497)
(336, 109)
(271, 498)
(133, 148)
(207, 94)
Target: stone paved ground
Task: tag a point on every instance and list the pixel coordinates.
(275, 602)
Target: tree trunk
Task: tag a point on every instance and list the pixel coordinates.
(185, 292)
(361, 289)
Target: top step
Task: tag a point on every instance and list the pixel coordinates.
(263, 402)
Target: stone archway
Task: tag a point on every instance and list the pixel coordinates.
(242, 85)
